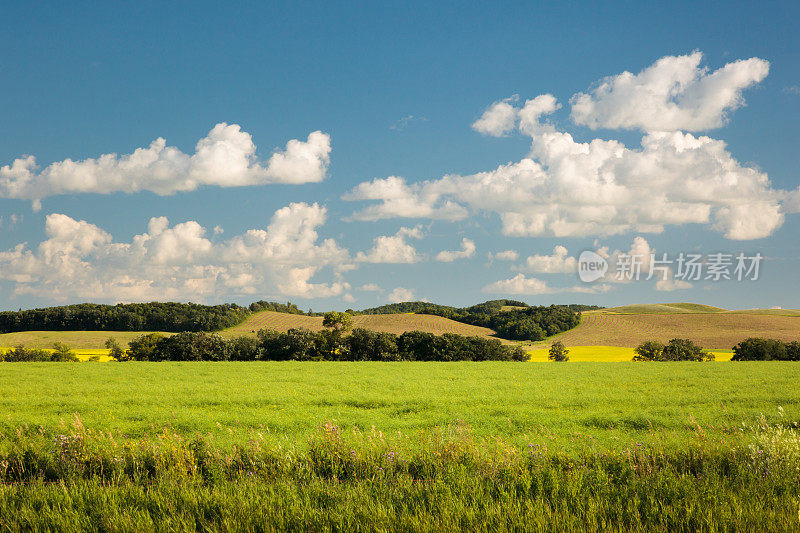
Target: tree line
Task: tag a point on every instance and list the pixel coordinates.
(153, 316)
(330, 344)
(511, 319)
(750, 349)
(758, 349)
(674, 350)
(61, 353)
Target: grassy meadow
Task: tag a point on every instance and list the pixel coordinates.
(378, 446)
(573, 404)
(293, 446)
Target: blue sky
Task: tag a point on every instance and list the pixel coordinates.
(394, 90)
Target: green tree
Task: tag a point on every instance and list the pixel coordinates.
(337, 321)
(758, 349)
(143, 348)
(332, 340)
(558, 352)
(115, 351)
(63, 353)
(685, 350)
(649, 351)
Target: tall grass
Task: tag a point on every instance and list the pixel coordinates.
(446, 479)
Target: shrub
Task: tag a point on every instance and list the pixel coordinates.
(649, 351)
(115, 351)
(143, 348)
(675, 350)
(558, 352)
(330, 345)
(62, 353)
(365, 345)
(244, 349)
(21, 354)
(758, 349)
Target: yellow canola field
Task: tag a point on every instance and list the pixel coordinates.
(84, 354)
(608, 354)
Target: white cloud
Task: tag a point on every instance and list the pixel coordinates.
(370, 287)
(566, 188)
(398, 199)
(505, 255)
(393, 248)
(638, 266)
(675, 93)
(401, 294)
(557, 263)
(79, 260)
(669, 283)
(226, 157)
(499, 119)
(349, 298)
(467, 250)
(522, 285)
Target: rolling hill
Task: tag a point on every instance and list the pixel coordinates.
(624, 327)
(716, 329)
(396, 323)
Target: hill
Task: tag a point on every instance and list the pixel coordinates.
(639, 309)
(712, 329)
(396, 323)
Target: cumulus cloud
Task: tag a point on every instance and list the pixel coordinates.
(401, 294)
(467, 250)
(226, 157)
(370, 287)
(499, 119)
(675, 93)
(80, 260)
(393, 248)
(522, 285)
(566, 188)
(398, 199)
(505, 255)
(640, 262)
(559, 262)
(669, 283)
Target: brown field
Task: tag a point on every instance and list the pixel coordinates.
(74, 339)
(393, 323)
(717, 330)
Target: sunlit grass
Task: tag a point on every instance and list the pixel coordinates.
(615, 403)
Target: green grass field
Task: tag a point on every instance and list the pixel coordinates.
(614, 404)
(399, 446)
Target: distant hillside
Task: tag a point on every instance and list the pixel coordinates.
(673, 308)
(396, 323)
(511, 319)
(714, 330)
(489, 307)
(665, 308)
